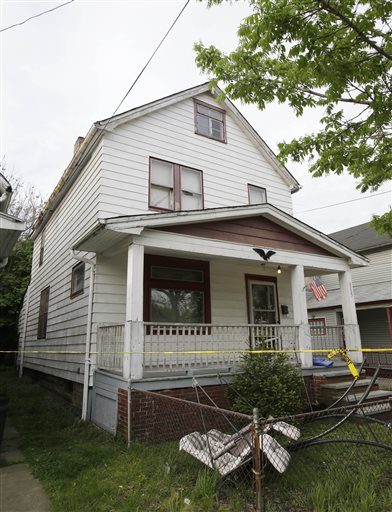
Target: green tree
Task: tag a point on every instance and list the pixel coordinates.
(270, 383)
(26, 203)
(333, 54)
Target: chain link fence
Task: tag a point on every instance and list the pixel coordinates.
(332, 459)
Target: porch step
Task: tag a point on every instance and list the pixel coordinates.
(373, 395)
(331, 374)
(341, 386)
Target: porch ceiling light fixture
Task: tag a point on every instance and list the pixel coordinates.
(265, 255)
(279, 270)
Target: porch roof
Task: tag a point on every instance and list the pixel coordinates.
(121, 228)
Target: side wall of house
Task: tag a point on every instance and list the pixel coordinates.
(379, 270)
(67, 317)
(168, 134)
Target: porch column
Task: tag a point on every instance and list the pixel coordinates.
(351, 329)
(300, 313)
(134, 334)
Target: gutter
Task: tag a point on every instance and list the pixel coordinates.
(87, 359)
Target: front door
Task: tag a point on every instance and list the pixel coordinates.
(262, 302)
(263, 310)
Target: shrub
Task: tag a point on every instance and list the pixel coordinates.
(270, 383)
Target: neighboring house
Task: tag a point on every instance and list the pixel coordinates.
(146, 246)
(10, 226)
(372, 287)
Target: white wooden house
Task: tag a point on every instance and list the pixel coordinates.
(147, 246)
(372, 287)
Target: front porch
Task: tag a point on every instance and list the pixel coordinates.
(178, 350)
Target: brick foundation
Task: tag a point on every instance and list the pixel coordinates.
(155, 417)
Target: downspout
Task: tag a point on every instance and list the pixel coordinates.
(87, 359)
(24, 333)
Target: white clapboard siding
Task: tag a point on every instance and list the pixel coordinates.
(379, 270)
(169, 134)
(67, 318)
(115, 182)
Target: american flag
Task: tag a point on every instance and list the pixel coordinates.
(318, 289)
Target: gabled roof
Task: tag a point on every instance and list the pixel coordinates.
(153, 106)
(361, 238)
(98, 128)
(135, 224)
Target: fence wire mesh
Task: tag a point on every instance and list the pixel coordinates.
(331, 459)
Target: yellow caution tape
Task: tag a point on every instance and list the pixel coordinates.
(201, 352)
(343, 352)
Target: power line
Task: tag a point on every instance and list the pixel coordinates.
(36, 16)
(149, 60)
(343, 202)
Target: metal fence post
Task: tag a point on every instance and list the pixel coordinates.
(257, 461)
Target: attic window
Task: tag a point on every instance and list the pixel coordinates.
(257, 195)
(210, 121)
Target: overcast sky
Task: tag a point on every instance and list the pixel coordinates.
(69, 68)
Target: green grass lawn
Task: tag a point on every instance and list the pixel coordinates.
(84, 469)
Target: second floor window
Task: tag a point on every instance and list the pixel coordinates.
(210, 121)
(174, 187)
(256, 194)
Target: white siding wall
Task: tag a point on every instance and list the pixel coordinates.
(169, 134)
(379, 270)
(227, 286)
(67, 318)
(115, 182)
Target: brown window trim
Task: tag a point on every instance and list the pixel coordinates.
(267, 279)
(212, 107)
(73, 293)
(43, 313)
(166, 261)
(318, 330)
(260, 188)
(176, 185)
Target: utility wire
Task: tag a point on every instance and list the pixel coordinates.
(148, 62)
(343, 202)
(36, 16)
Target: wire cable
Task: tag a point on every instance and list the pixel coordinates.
(148, 62)
(343, 202)
(36, 16)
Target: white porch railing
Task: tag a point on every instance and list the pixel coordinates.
(327, 337)
(110, 345)
(178, 347)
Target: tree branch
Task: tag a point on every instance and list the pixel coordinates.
(356, 29)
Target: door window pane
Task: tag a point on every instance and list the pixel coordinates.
(263, 303)
(177, 274)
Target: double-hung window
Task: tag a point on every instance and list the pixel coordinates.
(174, 187)
(210, 121)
